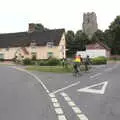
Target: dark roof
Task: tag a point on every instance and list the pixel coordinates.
(25, 38)
(97, 45)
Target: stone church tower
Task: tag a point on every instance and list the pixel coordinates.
(89, 24)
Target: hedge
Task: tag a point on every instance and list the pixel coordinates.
(99, 60)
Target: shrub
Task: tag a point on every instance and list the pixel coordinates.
(99, 60)
(27, 61)
(53, 62)
(42, 62)
(33, 57)
(1, 59)
(49, 62)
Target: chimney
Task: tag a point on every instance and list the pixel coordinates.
(31, 27)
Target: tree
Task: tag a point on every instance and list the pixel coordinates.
(115, 32)
(40, 27)
(98, 36)
(80, 41)
(69, 42)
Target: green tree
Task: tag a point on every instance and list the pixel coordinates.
(98, 36)
(70, 36)
(40, 27)
(80, 41)
(115, 32)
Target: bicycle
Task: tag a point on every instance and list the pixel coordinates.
(76, 69)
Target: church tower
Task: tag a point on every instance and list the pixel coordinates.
(89, 24)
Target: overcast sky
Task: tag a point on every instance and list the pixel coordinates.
(16, 14)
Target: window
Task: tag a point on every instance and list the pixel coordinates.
(33, 55)
(50, 44)
(50, 54)
(7, 49)
(1, 56)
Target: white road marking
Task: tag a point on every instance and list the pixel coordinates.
(57, 108)
(71, 103)
(67, 99)
(108, 69)
(54, 100)
(69, 86)
(74, 107)
(90, 89)
(96, 75)
(56, 105)
(61, 117)
(76, 110)
(58, 111)
(82, 117)
(64, 94)
(34, 76)
(52, 95)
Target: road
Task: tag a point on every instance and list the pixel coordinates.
(94, 95)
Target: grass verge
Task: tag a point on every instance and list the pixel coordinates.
(55, 69)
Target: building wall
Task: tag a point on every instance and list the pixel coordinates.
(41, 51)
(58, 51)
(94, 53)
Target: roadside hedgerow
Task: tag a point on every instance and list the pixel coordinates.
(99, 60)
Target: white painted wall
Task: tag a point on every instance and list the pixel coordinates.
(93, 53)
(96, 53)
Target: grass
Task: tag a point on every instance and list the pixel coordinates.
(55, 69)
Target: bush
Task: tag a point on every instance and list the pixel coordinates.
(42, 62)
(27, 61)
(53, 62)
(34, 57)
(1, 59)
(49, 62)
(99, 60)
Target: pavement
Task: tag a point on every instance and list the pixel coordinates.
(28, 95)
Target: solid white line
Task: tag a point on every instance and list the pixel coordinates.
(43, 85)
(90, 89)
(69, 86)
(93, 76)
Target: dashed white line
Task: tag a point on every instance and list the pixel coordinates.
(57, 107)
(61, 117)
(82, 117)
(96, 75)
(54, 100)
(71, 103)
(67, 98)
(108, 69)
(58, 111)
(76, 109)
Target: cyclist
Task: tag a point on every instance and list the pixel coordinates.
(87, 62)
(77, 63)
